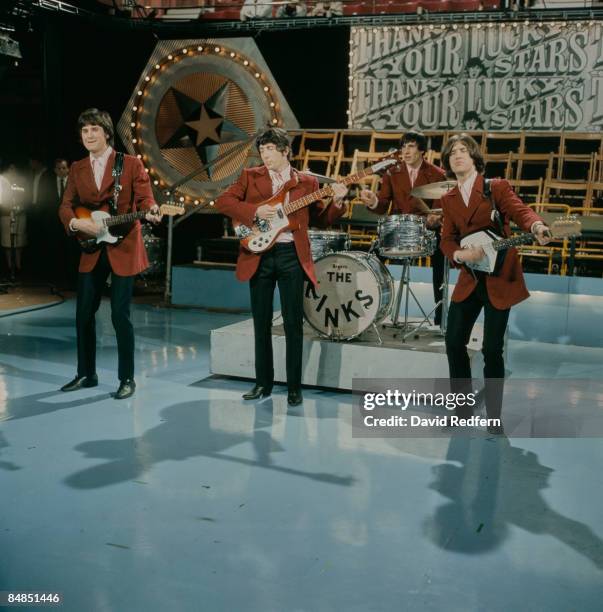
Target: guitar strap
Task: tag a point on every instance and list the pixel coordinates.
(496, 217)
(118, 167)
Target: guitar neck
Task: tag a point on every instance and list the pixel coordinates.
(127, 218)
(507, 243)
(324, 192)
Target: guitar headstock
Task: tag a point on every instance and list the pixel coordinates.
(172, 210)
(387, 161)
(566, 227)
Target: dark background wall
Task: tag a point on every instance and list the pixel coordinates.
(70, 65)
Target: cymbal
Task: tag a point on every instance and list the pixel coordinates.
(433, 191)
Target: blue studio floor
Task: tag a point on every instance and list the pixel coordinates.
(187, 498)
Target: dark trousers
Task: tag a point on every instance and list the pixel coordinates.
(461, 319)
(279, 265)
(89, 293)
(437, 263)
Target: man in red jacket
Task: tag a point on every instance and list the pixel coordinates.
(91, 184)
(395, 189)
(287, 263)
(467, 208)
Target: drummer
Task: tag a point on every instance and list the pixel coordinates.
(394, 195)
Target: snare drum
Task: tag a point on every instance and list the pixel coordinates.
(323, 242)
(354, 290)
(404, 236)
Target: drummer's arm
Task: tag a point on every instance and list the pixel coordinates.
(384, 196)
(328, 210)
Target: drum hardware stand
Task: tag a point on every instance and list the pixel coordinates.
(376, 330)
(444, 300)
(405, 283)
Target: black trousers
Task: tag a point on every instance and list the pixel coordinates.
(279, 266)
(437, 263)
(89, 293)
(461, 319)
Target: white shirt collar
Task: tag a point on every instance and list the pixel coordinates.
(466, 187)
(284, 175)
(102, 159)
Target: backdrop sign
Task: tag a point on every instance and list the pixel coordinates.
(528, 77)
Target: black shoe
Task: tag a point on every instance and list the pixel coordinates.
(126, 389)
(257, 392)
(80, 382)
(496, 430)
(295, 398)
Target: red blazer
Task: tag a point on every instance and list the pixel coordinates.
(396, 188)
(241, 200)
(508, 287)
(129, 257)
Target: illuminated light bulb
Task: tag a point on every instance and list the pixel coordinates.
(170, 57)
(132, 124)
(157, 66)
(135, 108)
(140, 92)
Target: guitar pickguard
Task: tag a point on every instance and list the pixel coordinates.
(259, 241)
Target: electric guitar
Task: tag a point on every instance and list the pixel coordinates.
(493, 244)
(115, 227)
(263, 233)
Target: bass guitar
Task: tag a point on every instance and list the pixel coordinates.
(263, 233)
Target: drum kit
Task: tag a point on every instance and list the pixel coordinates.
(155, 248)
(355, 290)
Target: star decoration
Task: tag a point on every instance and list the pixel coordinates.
(206, 127)
(203, 125)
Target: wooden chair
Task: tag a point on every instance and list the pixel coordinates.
(535, 187)
(541, 163)
(316, 141)
(567, 192)
(384, 141)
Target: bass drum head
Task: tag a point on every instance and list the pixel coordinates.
(353, 291)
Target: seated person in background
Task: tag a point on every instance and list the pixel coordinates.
(292, 9)
(256, 9)
(327, 9)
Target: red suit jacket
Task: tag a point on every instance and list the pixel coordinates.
(508, 287)
(129, 257)
(396, 188)
(241, 200)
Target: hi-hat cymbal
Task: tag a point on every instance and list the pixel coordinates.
(433, 191)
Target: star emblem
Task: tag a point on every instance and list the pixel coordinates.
(207, 128)
(202, 125)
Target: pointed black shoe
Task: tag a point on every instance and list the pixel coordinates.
(257, 392)
(295, 398)
(126, 389)
(496, 430)
(80, 382)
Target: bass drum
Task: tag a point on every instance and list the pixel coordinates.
(354, 291)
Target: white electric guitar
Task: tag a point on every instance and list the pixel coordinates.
(263, 233)
(114, 228)
(493, 244)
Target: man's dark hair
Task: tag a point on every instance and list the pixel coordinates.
(275, 136)
(416, 137)
(93, 116)
(472, 147)
(60, 160)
